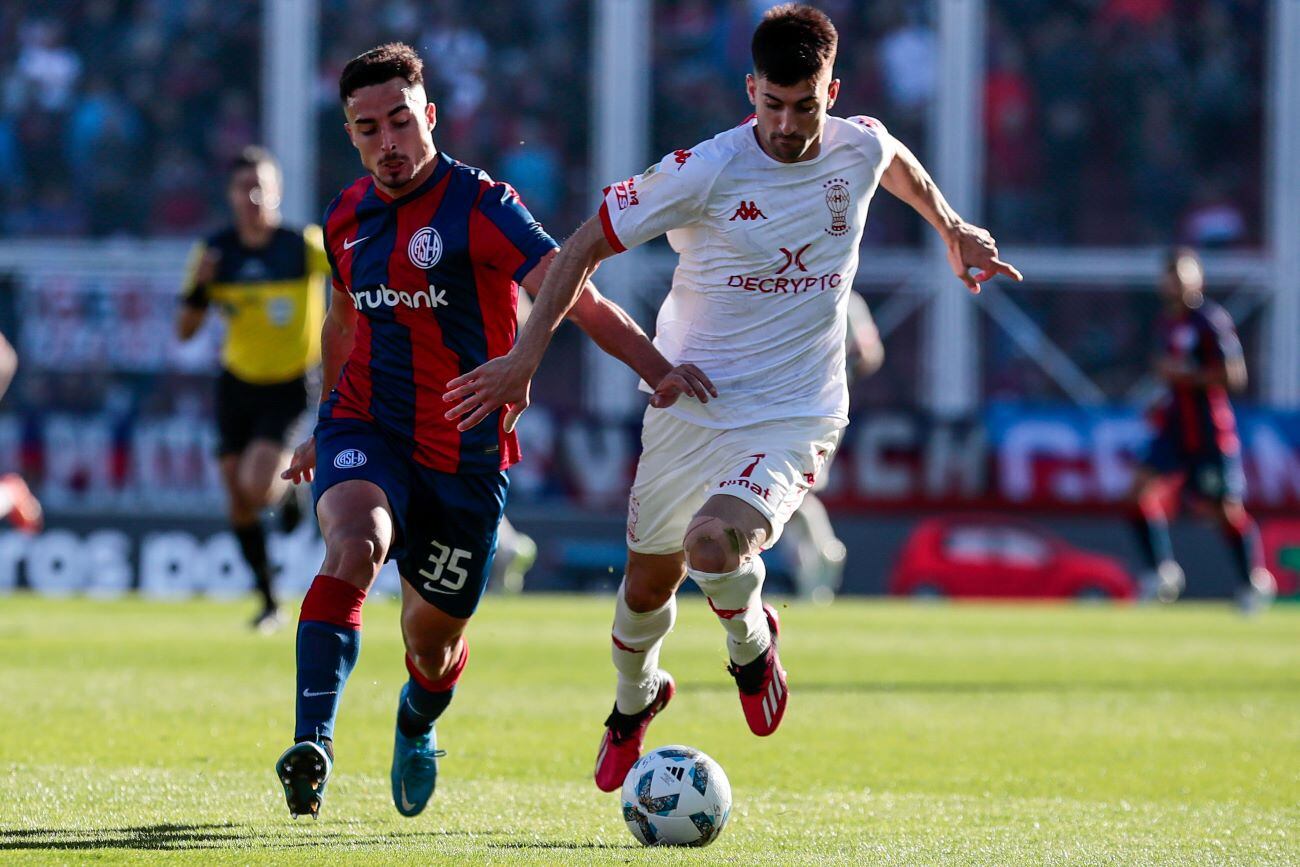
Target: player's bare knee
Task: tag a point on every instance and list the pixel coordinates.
(256, 491)
(355, 553)
(650, 580)
(715, 546)
(241, 514)
(434, 654)
(642, 597)
(1233, 513)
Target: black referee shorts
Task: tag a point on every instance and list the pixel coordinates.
(247, 412)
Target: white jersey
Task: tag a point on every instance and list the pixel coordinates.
(767, 255)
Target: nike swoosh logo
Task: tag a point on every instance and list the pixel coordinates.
(432, 589)
(406, 805)
(307, 693)
(348, 245)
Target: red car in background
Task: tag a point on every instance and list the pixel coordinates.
(993, 557)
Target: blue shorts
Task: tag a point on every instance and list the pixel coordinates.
(446, 533)
(1210, 473)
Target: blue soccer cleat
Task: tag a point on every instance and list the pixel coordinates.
(303, 770)
(415, 768)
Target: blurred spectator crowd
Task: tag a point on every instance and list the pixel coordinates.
(510, 80)
(888, 58)
(1115, 122)
(119, 116)
(1107, 121)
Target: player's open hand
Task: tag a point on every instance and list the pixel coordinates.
(503, 381)
(682, 379)
(303, 465)
(971, 247)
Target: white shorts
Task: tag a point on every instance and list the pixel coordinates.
(769, 465)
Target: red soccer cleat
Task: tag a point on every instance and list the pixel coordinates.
(625, 735)
(763, 691)
(24, 510)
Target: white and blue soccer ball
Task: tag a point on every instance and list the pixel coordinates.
(676, 796)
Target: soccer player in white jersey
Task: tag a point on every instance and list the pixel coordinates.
(766, 219)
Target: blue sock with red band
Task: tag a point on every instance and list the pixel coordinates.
(329, 642)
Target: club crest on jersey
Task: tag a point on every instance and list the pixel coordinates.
(425, 248)
(350, 459)
(837, 199)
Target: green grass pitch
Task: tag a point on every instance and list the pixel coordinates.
(916, 734)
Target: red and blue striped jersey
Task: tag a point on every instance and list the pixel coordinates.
(1200, 417)
(434, 276)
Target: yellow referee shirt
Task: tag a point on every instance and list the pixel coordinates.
(273, 299)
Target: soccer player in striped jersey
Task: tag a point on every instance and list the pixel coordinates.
(1196, 444)
(427, 257)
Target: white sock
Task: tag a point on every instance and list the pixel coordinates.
(736, 599)
(634, 646)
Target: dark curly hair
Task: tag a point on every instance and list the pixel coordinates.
(382, 63)
(793, 43)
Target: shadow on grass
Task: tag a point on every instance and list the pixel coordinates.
(174, 837)
(553, 844)
(1017, 687)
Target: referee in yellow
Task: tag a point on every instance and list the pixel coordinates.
(269, 281)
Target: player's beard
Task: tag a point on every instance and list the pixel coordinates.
(394, 175)
(788, 148)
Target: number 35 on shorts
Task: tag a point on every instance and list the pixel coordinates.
(445, 570)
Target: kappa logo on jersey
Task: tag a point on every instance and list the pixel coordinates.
(747, 211)
(349, 459)
(425, 248)
(680, 157)
(837, 199)
(625, 194)
(385, 297)
(795, 258)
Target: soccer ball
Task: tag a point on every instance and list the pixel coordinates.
(676, 796)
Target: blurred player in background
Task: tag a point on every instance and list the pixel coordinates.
(818, 554)
(766, 219)
(17, 502)
(1195, 443)
(269, 282)
(427, 255)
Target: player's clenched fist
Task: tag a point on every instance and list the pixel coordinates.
(303, 465)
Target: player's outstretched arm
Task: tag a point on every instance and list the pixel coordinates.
(336, 336)
(970, 247)
(505, 381)
(614, 331)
